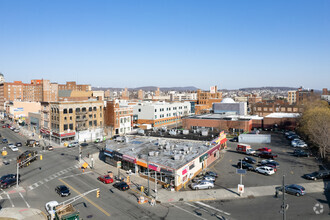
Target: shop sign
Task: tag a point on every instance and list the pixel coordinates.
(154, 167)
(166, 171)
(117, 154)
(185, 170)
(203, 157)
(142, 164)
(129, 159)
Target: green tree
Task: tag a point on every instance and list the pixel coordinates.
(315, 124)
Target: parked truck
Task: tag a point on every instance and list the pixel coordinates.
(32, 143)
(28, 156)
(245, 149)
(56, 211)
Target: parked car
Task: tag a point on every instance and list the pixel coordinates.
(265, 170)
(249, 160)
(50, 148)
(19, 144)
(202, 185)
(289, 133)
(11, 145)
(84, 144)
(98, 140)
(268, 161)
(105, 179)
(4, 141)
(198, 178)
(16, 130)
(209, 178)
(301, 154)
(210, 173)
(293, 189)
(63, 190)
(323, 174)
(14, 148)
(121, 186)
(73, 144)
(267, 155)
(8, 183)
(301, 145)
(3, 126)
(293, 136)
(245, 165)
(264, 149)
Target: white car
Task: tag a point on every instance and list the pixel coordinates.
(202, 185)
(11, 145)
(265, 170)
(14, 148)
(301, 144)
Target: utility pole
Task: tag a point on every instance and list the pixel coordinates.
(240, 182)
(283, 200)
(148, 172)
(156, 184)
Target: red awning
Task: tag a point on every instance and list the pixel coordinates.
(223, 140)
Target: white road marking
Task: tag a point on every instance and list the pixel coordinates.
(46, 179)
(27, 204)
(40, 182)
(208, 206)
(30, 187)
(186, 211)
(11, 202)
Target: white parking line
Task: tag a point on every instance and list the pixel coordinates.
(187, 211)
(27, 204)
(208, 206)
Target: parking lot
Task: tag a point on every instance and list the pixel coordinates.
(292, 167)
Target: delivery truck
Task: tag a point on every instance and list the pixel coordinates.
(245, 149)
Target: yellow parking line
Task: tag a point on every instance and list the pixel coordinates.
(91, 202)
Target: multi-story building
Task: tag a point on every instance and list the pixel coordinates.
(325, 95)
(292, 97)
(229, 106)
(304, 95)
(179, 97)
(118, 117)
(265, 108)
(73, 86)
(205, 100)
(140, 94)
(73, 120)
(125, 94)
(19, 111)
(160, 114)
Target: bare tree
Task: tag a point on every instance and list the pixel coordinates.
(315, 123)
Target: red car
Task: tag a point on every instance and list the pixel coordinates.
(264, 149)
(4, 126)
(105, 179)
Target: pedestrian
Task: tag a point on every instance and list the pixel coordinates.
(276, 193)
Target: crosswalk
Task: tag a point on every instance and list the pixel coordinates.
(51, 177)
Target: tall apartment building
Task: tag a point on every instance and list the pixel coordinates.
(140, 94)
(292, 97)
(118, 117)
(205, 99)
(160, 114)
(72, 120)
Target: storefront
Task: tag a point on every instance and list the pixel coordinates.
(63, 138)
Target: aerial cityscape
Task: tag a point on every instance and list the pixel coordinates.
(164, 110)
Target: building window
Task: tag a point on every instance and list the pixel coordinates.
(100, 108)
(65, 111)
(83, 109)
(90, 116)
(95, 123)
(65, 127)
(94, 109)
(100, 123)
(90, 123)
(94, 115)
(64, 118)
(70, 118)
(90, 109)
(77, 109)
(100, 115)
(71, 126)
(155, 110)
(70, 110)
(139, 110)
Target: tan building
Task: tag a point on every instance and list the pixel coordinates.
(140, 94)
(73, 86)
(74, 120)
(205, 99)
(292, 97)
(118, 118)
(19, 111)
(125, 94)
(265, 108)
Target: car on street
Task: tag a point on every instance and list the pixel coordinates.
(211, 173)
(73, 144)
(209, 178)
(293, 189)
(19, 144)
(50, 148)
(98, 140)
(121, 186)
(8, 183)
(8, 176)
(264, 149)
(3, 126)
(16, 130)
(4, 141)
(202, 185)
(267, 155)
(249, 160)
(11, 145)
(245, 165)
(62, 190)
(301, 145)
(301, 154)
(84, 144)
(105, 179)
(265, 170)
(322, 174)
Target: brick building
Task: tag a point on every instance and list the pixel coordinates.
(73, 86)
(118, 117)
(275, 106)
(205, 99)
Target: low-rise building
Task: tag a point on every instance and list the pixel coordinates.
(229, 106)
(169, 161)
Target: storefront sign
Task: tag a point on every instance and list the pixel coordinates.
(142, 164)
(210, 152)
(117, 154)
(166, 171)
(154, 167)
(129, 159)
(184, 171)
(203, 157)
(108, 152)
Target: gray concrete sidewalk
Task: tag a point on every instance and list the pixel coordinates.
(166, 196)
(22, 213)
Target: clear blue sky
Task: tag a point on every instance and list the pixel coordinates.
(232, 44)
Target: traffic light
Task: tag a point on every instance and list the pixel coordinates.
(98, 193)
(40, 157)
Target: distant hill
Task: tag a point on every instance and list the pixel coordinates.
(150, 88)
(268, 88)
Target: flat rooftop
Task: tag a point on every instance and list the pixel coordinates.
(172, 153)
(226, 117)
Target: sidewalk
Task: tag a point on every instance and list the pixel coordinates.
(22, 213)
(166, 196)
